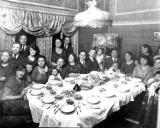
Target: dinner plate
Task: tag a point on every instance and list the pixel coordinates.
(123, 89)
(37, 86)
(93, 100)
(67, 109)
(108, 94)
(48, 99)
(69, 79)
(136, 79)
(83, 76)
(35, 92)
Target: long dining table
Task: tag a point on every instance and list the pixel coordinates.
(94, 105)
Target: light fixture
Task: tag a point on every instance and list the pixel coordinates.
(92, 17)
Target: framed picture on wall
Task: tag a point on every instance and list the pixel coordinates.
(156, 36)
(105, 40)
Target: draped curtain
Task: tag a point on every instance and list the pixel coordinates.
(45, 46)
(34, 23)
(6, 41)
(40, 24)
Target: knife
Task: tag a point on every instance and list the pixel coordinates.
(57, 109)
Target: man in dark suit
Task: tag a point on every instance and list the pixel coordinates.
(16, 58)
(82, 63)
(68, 46)
(92, 62)
(110, 60)
(24, 51)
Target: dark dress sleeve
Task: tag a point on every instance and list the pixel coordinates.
(34, 74)
(65, 72)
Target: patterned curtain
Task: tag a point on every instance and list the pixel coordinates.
(74, 41)
(6, 41)
(45, 45)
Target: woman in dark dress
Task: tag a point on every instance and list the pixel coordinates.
(29, 70)
(5, 69)
(71, 69)
(128, 65)
(58, 52)
(33, 55)
(40, 73)
(15, 109)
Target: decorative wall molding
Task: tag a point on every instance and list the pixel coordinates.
(133, 23)
(48, 6)
(37, 8)
(133, 12)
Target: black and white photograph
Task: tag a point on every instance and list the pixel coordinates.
(80, 63)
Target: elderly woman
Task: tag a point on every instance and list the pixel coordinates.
(58, 52)
(128, 65)
(5, 69)
(143, 70)
(14, 107)
(40, 73)
(72, 68)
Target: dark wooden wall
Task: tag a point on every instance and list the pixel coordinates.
(135, 22)
(86, 37)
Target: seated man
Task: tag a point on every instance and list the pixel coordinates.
(92, 62)
(59, 66)
(16, 58)
(114, 58)
(82, 63)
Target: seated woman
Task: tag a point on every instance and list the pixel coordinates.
(54, 76)
(99, 58)
(154, 79)
(58, 52)
(29, 69)
(72, 68)
(5, 69)
(33, 55)
(12, 98)
(40, 73)
(147, 51)
(158, 53)
(143, 70)
(128, 65)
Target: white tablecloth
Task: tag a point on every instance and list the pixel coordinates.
(89, 115)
